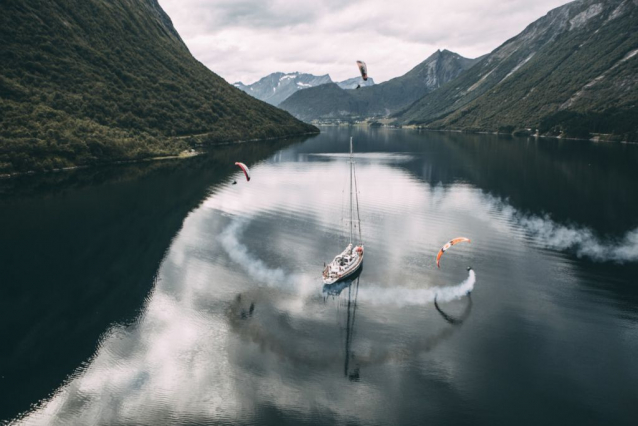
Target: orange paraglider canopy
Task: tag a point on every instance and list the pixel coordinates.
(448, 245)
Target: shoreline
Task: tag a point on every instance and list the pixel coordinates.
(595, 139)
(482, 132)
(186, 154)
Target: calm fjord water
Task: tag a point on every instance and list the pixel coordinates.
(164, 294)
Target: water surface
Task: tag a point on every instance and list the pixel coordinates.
(179, 297)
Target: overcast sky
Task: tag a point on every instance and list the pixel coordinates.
(244, 40)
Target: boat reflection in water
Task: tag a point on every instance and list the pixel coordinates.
(259, 316)
(334, 290)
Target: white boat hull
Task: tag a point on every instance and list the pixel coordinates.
(344, 265)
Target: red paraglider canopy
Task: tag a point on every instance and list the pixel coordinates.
(245, 169)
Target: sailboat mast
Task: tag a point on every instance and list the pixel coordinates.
(351, 216)
(356, 195)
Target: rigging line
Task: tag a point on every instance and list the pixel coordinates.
(351, 168)
(356, 189)
(342, 229)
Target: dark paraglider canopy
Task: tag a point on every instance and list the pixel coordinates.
(363, 68)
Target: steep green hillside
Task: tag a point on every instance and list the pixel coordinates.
(324, 102)
(90, 81)
(572, 72)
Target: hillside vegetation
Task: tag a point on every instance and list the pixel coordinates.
(91, 81)
(573, 73)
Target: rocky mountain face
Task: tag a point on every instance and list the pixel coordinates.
(572, 72)
(92, 81)
(277, 87)
(380, 99)
(442, 66)
(353, 82)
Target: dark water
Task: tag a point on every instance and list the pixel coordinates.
(163, 294)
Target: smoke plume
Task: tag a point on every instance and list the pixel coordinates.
(417, 296)
(581, 241)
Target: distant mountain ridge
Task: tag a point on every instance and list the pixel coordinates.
(353, 82)
(278, 86)
(324, 102)
(92, 81)
(571, 72)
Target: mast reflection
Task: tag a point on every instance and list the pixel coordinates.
(335, 290)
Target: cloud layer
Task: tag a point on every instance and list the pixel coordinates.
(244, 40)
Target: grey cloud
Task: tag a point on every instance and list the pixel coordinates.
(219, 14)
(258, 14)
(247, 39)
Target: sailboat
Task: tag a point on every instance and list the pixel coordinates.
(349, 261)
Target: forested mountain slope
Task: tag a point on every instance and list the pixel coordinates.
(90, 81)
(573, 72)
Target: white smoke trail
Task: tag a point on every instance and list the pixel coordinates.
(258, 270)
(582, 241)
(416, 296)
